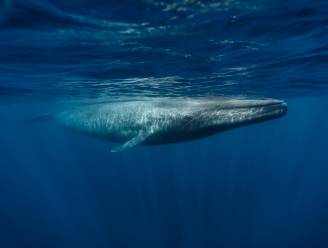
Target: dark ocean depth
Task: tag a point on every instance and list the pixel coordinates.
(259, 186)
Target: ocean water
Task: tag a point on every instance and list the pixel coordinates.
(258, 186)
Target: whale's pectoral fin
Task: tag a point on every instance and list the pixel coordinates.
(132, 142)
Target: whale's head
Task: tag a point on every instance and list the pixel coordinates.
(231, 113)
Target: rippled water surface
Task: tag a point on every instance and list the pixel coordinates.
(155, 48)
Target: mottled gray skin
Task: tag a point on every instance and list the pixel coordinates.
(168, 120)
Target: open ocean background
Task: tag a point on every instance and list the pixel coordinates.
(259, 186)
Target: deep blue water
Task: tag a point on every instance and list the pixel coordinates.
(259, 186)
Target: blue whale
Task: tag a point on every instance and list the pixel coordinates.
(155, 121)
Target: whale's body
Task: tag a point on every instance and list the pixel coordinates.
(167, 120)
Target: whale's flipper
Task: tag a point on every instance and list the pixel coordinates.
(132, 142)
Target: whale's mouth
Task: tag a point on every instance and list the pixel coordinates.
(276, 108)
(244, 112)
(240, 112)
(266, 110)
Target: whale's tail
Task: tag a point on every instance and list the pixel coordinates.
(37, 119)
